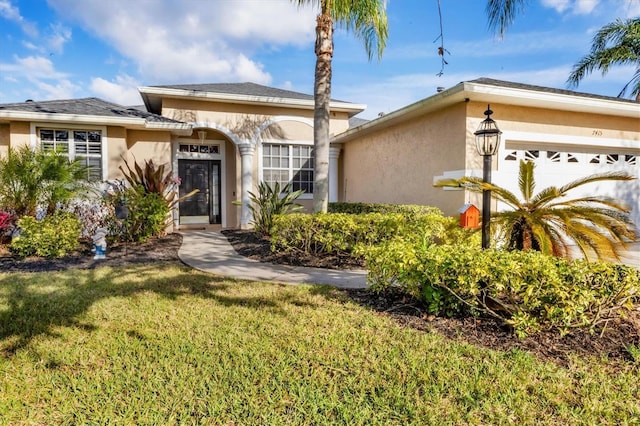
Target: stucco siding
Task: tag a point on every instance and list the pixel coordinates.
(397, 165)
(5, 138)
(146, 145)
(20, 133)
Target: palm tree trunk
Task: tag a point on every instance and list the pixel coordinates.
(321, 116)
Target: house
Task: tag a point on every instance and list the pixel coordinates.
(397, 157)
(219, 138)
(225, 138)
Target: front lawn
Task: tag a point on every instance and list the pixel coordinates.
(169, 345)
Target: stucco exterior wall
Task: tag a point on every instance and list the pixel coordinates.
(148, 145)
(116, 147)
(5, 138)
(20, 133)
(397, 164)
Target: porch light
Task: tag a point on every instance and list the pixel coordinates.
(487, 135)
(487, 142)
(202, 135)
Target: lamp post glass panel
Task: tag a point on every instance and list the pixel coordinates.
(487, 142)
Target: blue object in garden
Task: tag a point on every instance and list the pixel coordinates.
(100, 244)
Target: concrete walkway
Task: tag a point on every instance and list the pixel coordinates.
(210, 251)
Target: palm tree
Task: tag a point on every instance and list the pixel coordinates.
(549, 223)
(368, 20)
(617, 43)
(32, 178)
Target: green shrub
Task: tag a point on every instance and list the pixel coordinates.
(269, 202)
(360, 208)
(347, 234)
(147, 216)
(53, 236)
(527, 290)
(152, 179)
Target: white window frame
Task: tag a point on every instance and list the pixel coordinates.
(290, 143)
(36, 142)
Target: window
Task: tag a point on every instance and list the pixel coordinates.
(82, 145)
(288, 164)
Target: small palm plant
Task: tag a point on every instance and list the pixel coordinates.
(32, 178)
(271, 201)
(549, 223)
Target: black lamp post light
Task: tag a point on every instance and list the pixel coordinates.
(487, 142)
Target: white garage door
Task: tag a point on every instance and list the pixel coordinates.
(557, 167)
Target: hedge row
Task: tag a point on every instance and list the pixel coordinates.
(525, 289)
(362, 208)
(343, 233)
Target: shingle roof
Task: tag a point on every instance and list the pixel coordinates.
(85, 106)
(247, 89)
(512, 85)
(357, 121)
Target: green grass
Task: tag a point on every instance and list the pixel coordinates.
(168, 345)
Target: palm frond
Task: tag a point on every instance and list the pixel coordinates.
(475, 184)
(501, 13)
(634, 84)
(526, 181)
(622, 176)
(617, 43)
(545, 196)
(609, 202)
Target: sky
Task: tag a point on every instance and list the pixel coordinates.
(62, 49)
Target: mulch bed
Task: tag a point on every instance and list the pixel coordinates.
(610, 343)
(161, 249)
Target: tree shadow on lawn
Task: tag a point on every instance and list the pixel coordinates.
(35, 308)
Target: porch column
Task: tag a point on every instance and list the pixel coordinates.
(246, 169)
(334, 154)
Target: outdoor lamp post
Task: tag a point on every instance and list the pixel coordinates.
(487, 141)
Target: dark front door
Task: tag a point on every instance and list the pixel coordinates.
(204, 206)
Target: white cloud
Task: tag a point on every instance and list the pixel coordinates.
(35, 67)
(62, 89)
(194, 40)
(35, 77)
(629, 8)
(58, 36)
(578, 7)
(585, 7)
(559, 5)
(29, 45)
(12, 13)
(123, 91)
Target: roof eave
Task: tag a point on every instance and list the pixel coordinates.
(494, 94)
(559, 101)
(148, 93)
(130, 123)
